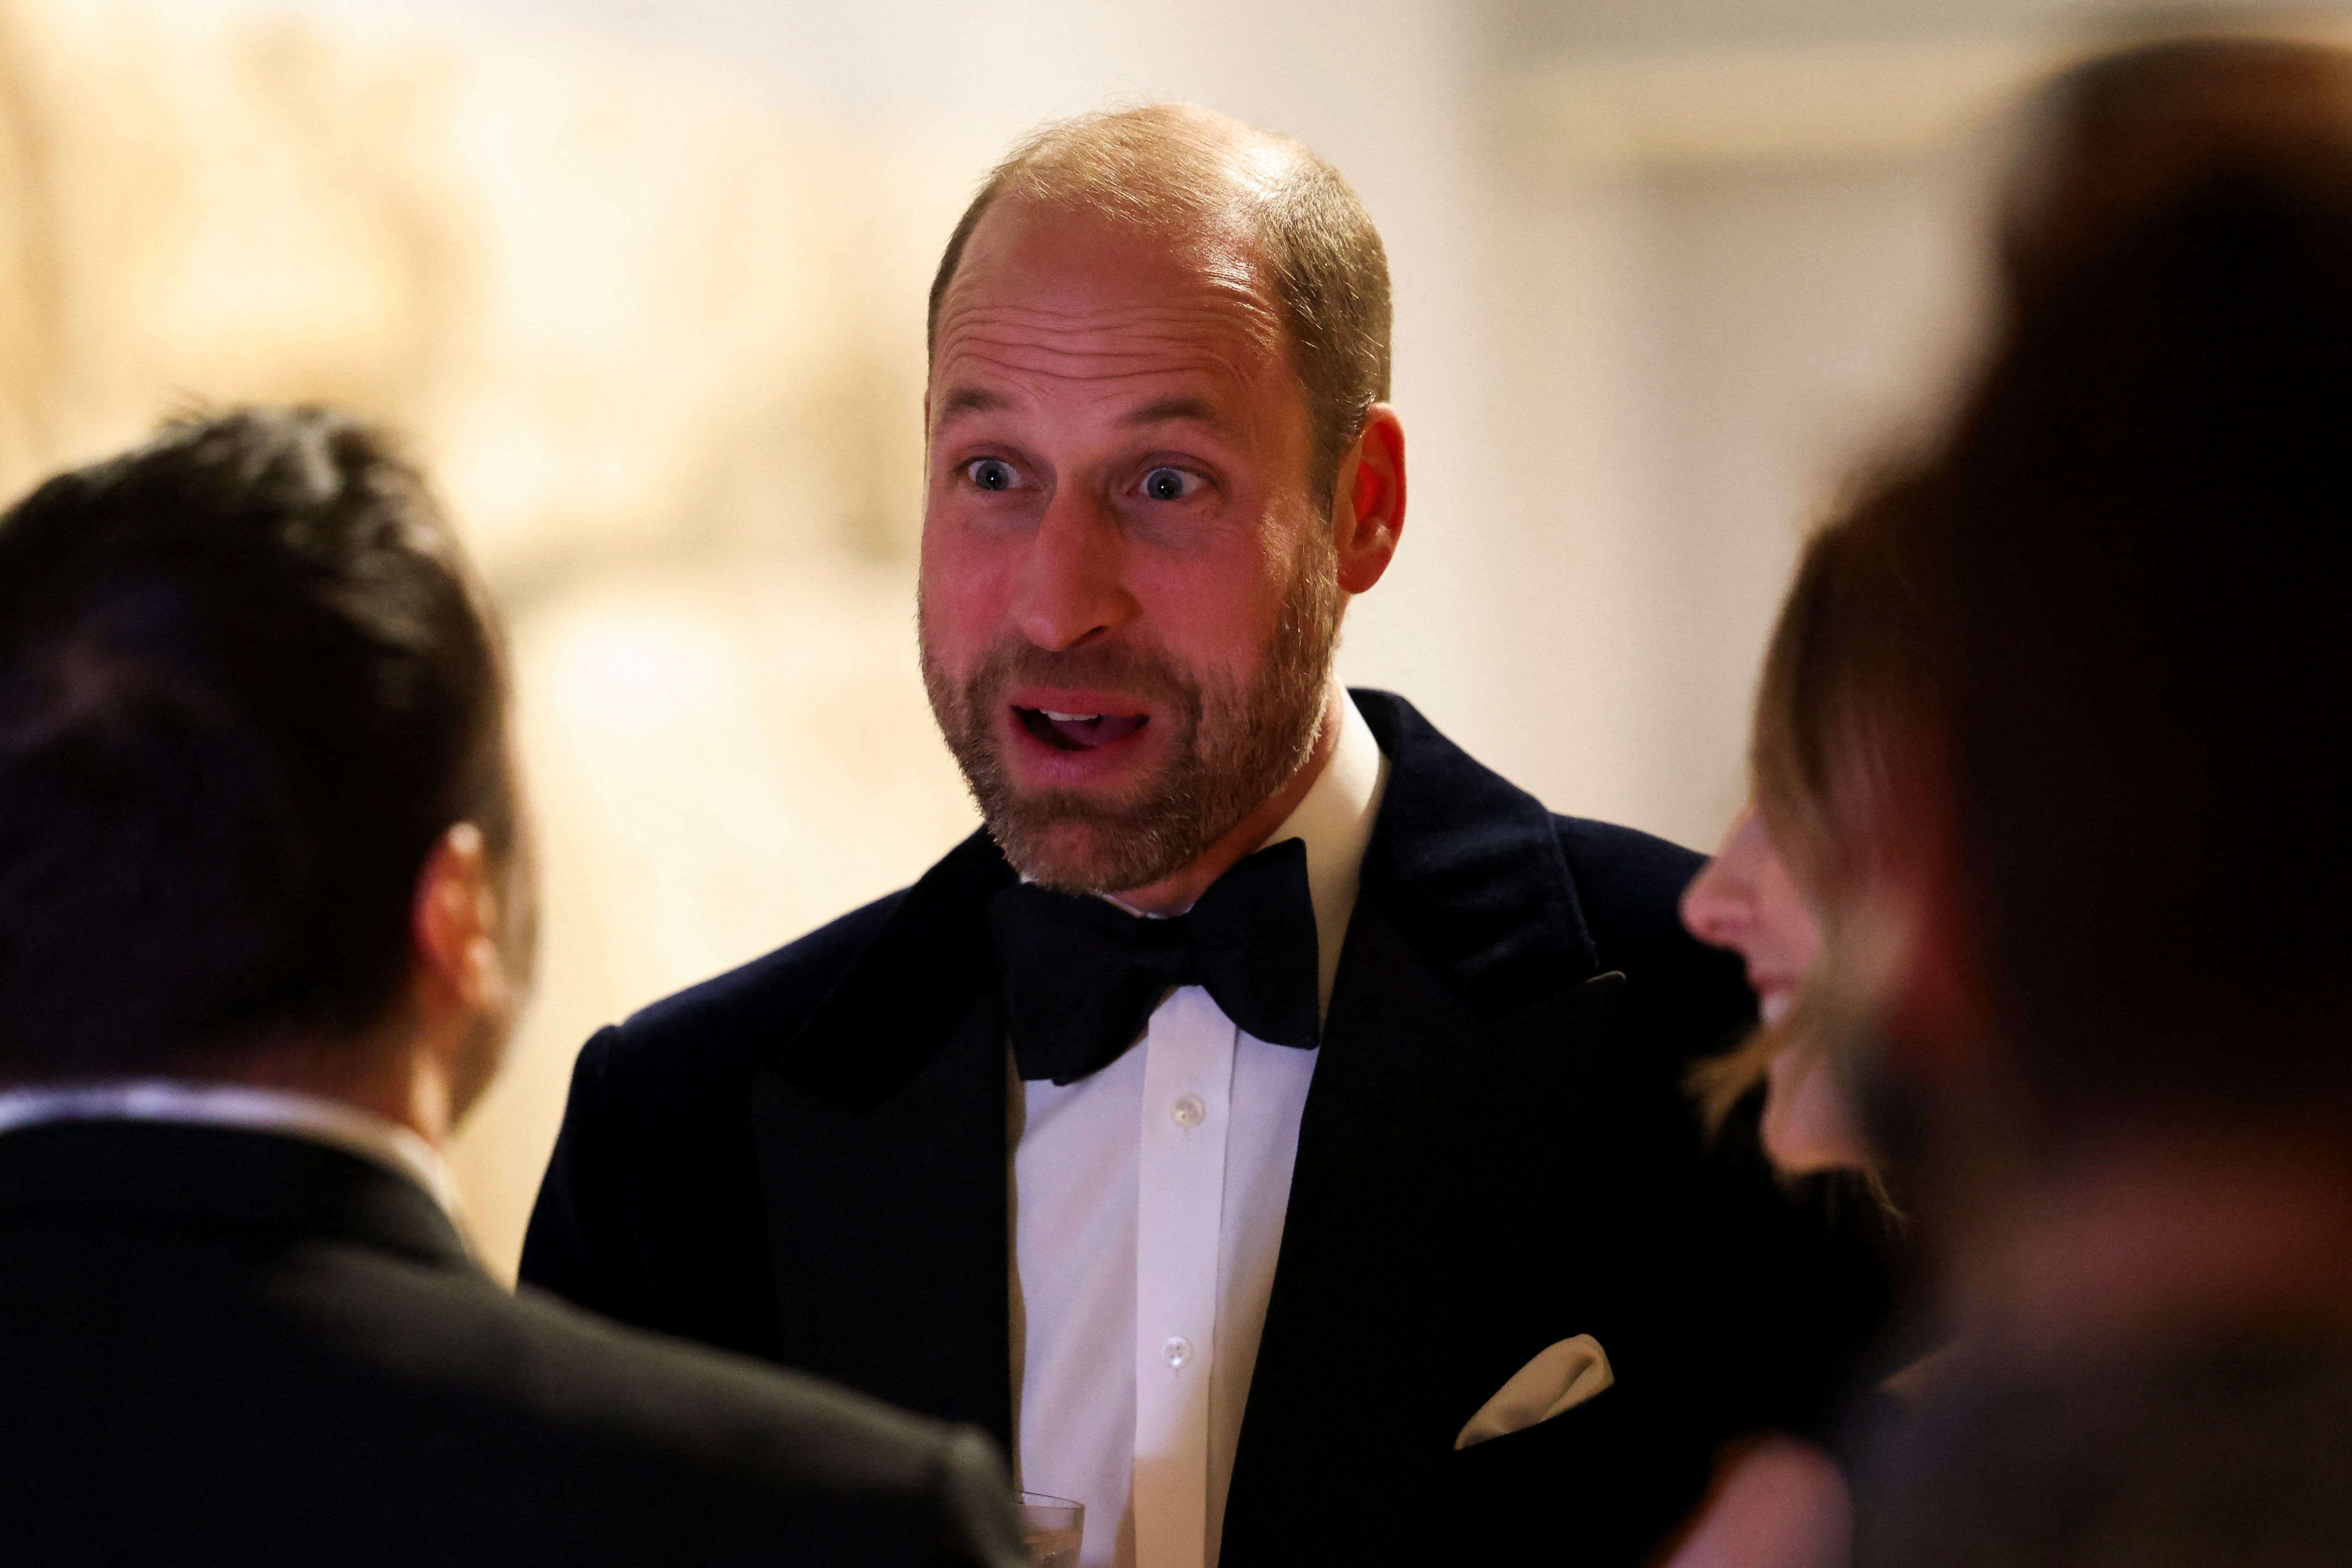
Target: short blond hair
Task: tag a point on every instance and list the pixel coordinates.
(1175, 165)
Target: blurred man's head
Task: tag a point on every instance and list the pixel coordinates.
(258, 817)
(2143, 856)
(1159, 461)
(2129, 130)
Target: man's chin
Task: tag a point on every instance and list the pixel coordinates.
(1091, 854)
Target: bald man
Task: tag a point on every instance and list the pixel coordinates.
(1271, 1124)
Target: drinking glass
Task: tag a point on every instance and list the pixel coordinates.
(1051, 1528)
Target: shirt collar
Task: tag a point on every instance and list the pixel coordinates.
(1335, 819)
(320, 1121)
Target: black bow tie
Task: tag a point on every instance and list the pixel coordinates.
(1081, 975)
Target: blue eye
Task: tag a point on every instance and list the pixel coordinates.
(991, 474)
(1167, 484)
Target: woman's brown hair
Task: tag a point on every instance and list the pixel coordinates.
(1845, 679)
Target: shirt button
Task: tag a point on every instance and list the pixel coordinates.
(1188, 1111)
(1176, 1351)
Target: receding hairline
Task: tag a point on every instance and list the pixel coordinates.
(1172, 170)
(1177, 172)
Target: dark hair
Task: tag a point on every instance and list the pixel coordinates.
(2127, 131)
(247, 683)
(2150, 667)
(1167, 163)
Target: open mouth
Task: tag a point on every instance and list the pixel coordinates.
(1079, 732)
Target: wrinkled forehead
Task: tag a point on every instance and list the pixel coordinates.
(1105, 288)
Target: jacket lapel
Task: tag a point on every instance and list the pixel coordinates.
(881, 1136)
(1414, 1263)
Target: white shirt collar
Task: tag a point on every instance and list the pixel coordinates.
(1335, 819)
(327, 1121)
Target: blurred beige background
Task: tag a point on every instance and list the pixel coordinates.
(644, 281)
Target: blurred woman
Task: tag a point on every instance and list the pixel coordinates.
(1846, 698)
(1845, 679)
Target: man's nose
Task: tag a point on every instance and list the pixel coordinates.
(1073, 585)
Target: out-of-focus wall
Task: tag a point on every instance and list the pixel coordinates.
(644, 280)
(1735, 279)
(1737, 257)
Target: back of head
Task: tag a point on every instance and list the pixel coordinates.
(2135, 521)
(246, 685)
(2128, 130)
(1174, 168)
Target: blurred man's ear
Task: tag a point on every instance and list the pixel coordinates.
(465, 990)
(1368, 505)
(457, 922)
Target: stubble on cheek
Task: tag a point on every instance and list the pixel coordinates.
(1228, 745)
(1072, 839)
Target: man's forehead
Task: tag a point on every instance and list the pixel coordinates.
(1063, 271)
(1140, 403)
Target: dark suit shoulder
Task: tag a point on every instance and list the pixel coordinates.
(726, 1419)
(710, 1027)
(1630, 886)
(650, 1208)
(1626, 860)
(1629, 883)
(399, 1409)
(753, 1453)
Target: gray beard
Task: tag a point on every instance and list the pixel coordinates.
(1234, 743)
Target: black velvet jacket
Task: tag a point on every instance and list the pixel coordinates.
(805, 1160)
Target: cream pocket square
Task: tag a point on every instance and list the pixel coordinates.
(1560, 1378)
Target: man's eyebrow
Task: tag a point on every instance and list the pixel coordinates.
(961, 400)
(1172, 410)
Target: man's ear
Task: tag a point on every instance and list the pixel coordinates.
(1368, 508)
(454, 924)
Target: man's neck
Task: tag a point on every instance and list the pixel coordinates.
(394, 1080)
(1175, 894)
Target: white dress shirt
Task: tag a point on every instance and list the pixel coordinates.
(1147, 1202)
(304, 1116)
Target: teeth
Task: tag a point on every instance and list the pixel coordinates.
(1069, 718)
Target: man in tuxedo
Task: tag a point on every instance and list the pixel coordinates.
(1340, 1138)
(264, 918)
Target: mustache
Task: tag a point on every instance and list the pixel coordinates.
(1136, 669)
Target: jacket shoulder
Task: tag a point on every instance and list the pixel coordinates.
(600, 1388)
(738, 1452)
(1630, 882)
(523, 1430)
(745, 1454)
(719, 1026)
(1630, 885)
